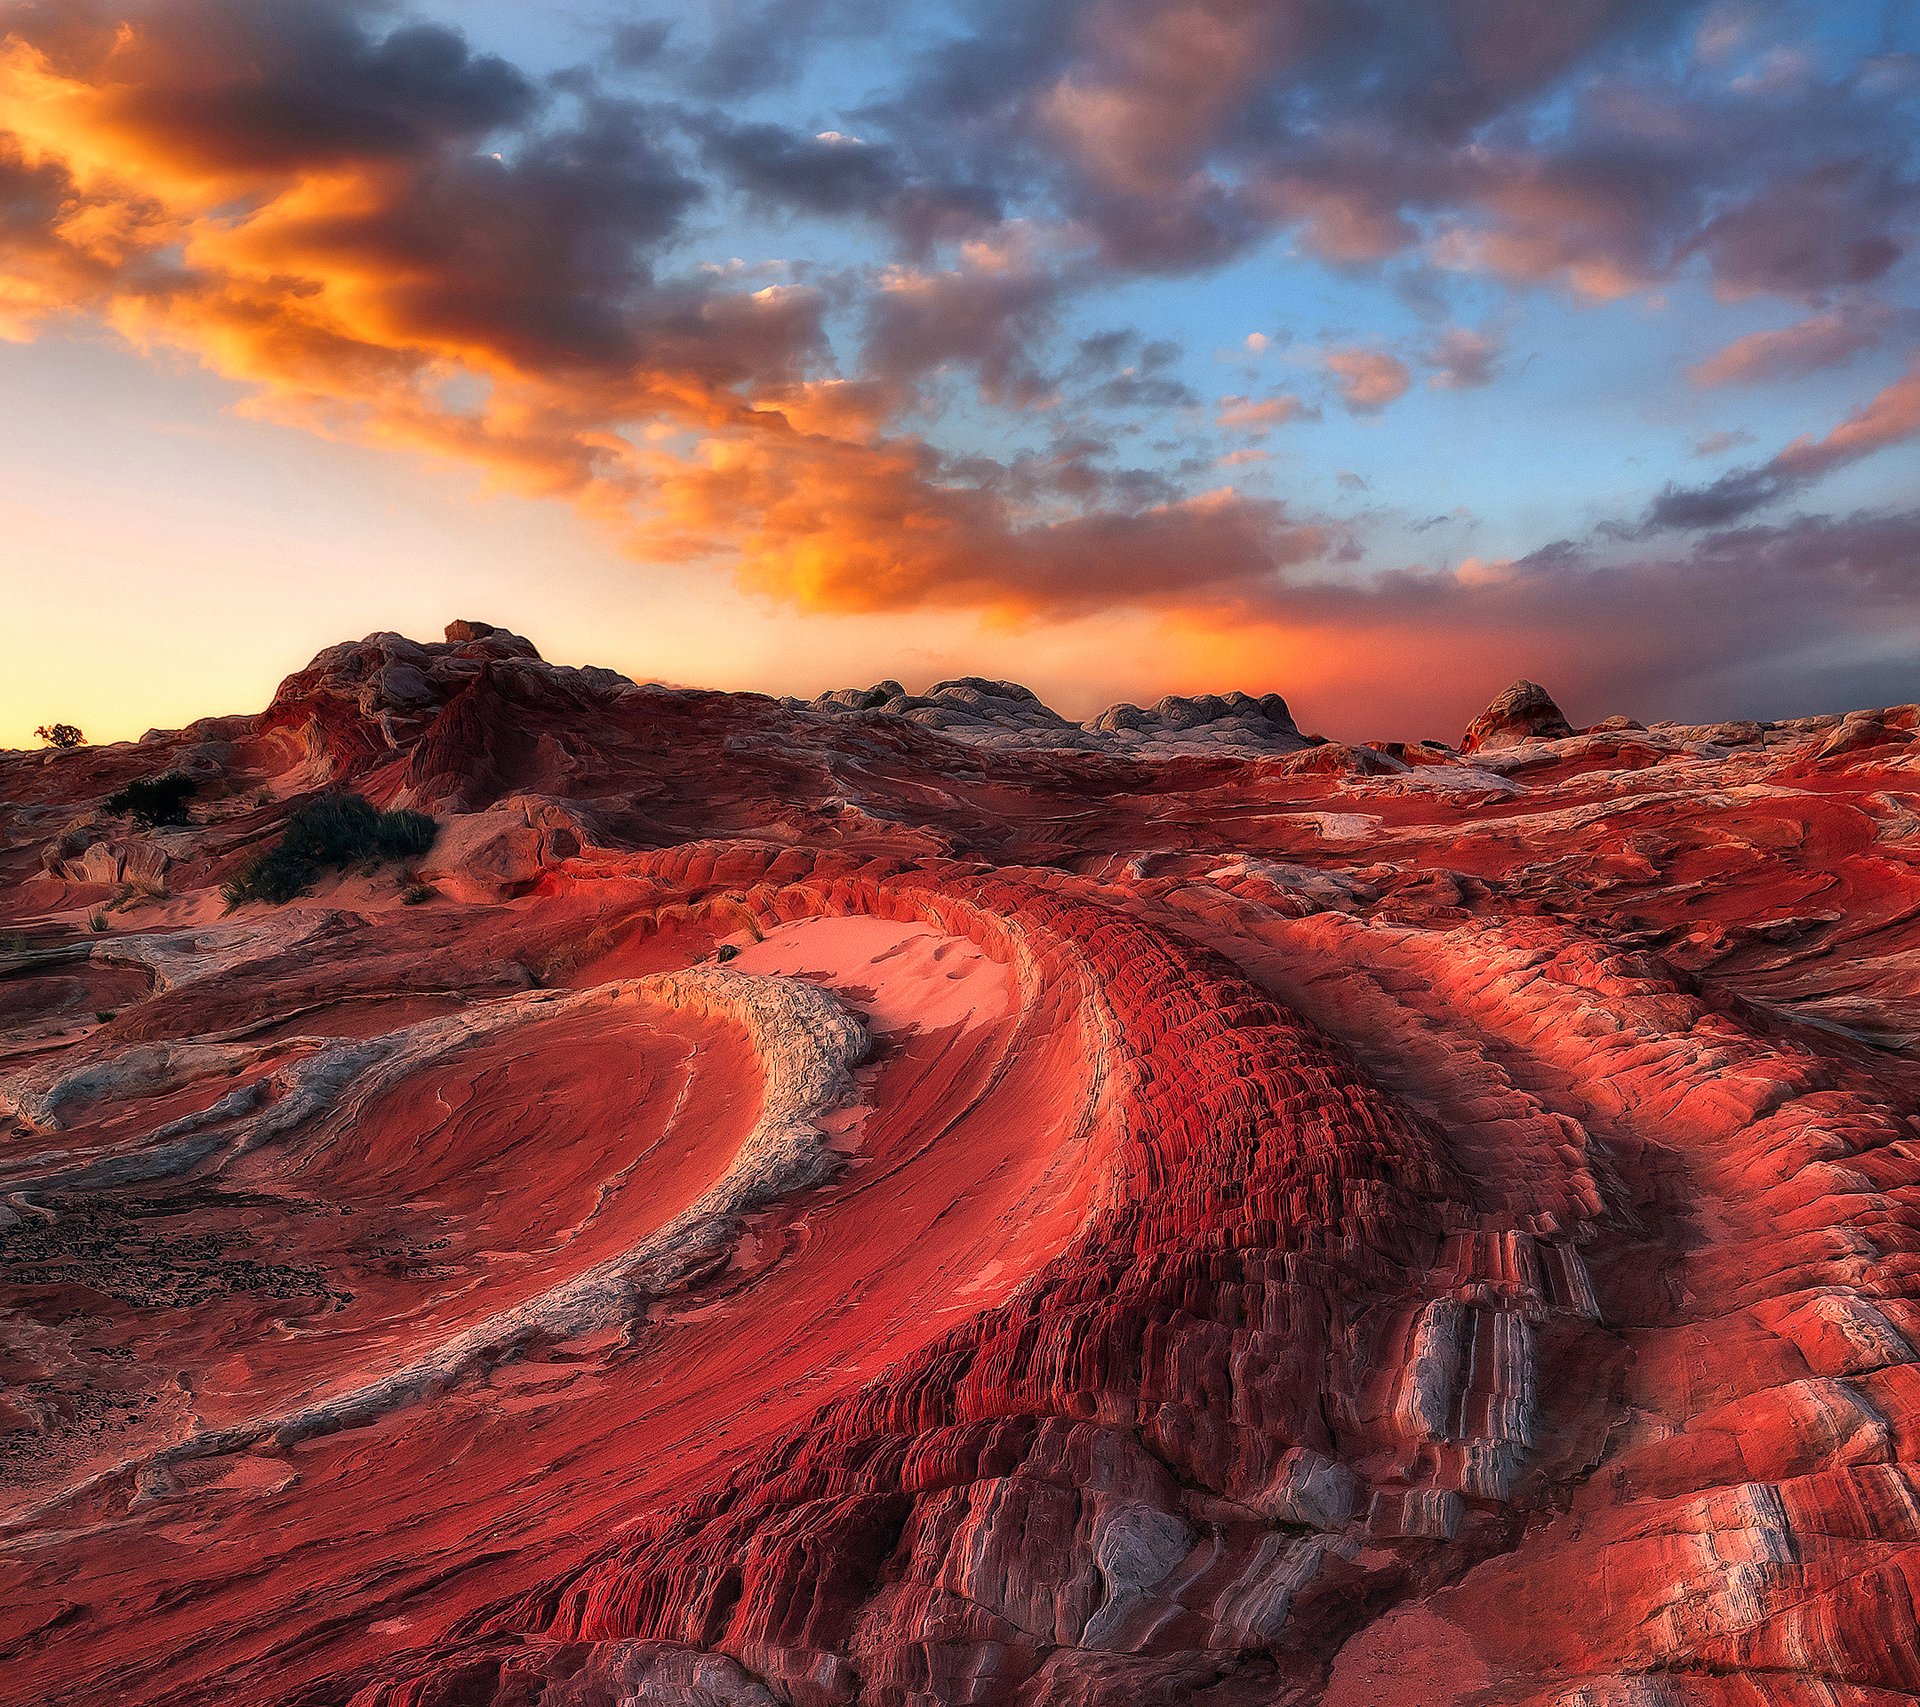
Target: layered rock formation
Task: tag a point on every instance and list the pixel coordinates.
(1005, 714)
(909, 1200)
(1525, 712)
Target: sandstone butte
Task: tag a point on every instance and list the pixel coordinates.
(909, 1200)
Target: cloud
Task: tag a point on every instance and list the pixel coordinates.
(1369, 379)
(1462, 359)
(236, 89)
(1889, 418)
(751, 45)
(1147, 382)
(1258, 415)
(385, 235)
(1569, 146)
(818, 524)
(1835, 225)
(638, 42)
(1119, 369)
(306, 201)
(1718, 444)
(1754, 621)
(379, 231)
(1791, 352)
(986, 314)
(833, 175)
(1154, 81)
(820, 173)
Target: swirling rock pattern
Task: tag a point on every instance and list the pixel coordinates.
(824, 1208)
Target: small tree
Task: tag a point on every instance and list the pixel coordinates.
(61, 735)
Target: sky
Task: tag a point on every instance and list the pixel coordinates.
(1375, 354)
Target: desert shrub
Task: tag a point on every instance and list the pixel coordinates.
(331, 832)
(60, 735)
(155, 800)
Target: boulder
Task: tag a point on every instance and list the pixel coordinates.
(1525, 712)
(503, 851)
(84, 856)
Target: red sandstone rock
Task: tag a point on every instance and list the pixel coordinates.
(1374, 1225)
(1525, 712)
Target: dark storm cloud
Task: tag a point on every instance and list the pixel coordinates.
(1118, 369)
(263, 85)
(1716, 504)
(816, 174)
(542, 256)
(987, 318)
(431, 194)
(1826, 228)
(638, 42)
(834, 175)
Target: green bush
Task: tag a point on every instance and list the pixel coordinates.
(155, 799)
(331, 832)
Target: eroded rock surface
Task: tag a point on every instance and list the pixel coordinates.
(909, 1201)
(1005, 714)
(1525, 712)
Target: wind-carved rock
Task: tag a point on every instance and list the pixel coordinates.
(1525, 712)
(911, 1200)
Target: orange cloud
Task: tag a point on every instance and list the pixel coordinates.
(387, 237)
(1891, 417)
(1156, 81)
(834, 526)
(1258, 414)
(1369, 379)
(1788, 352)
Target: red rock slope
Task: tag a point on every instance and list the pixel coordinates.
(879, 1203)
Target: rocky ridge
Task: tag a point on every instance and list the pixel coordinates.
(1007, 714)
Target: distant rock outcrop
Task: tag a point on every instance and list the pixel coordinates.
(1525, 712)
(1006, 714)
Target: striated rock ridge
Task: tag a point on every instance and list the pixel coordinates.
(822, 1208)
(1525, 712)
(1004, 714)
